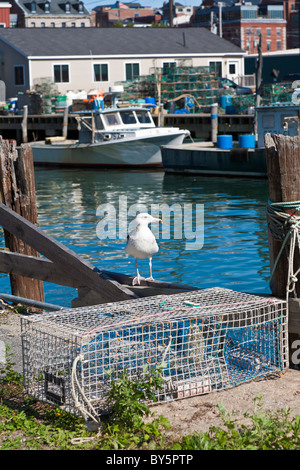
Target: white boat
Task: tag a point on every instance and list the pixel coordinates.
(111, 137)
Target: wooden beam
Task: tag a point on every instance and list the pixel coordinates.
(63, 257)
(36, 268)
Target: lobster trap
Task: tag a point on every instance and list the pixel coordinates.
(203, 341)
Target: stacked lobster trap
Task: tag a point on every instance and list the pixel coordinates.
(203, 341)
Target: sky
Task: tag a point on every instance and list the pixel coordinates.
(90, 4)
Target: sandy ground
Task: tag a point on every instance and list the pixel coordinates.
(195, 413)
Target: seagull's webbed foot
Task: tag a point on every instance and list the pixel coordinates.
(149, 278)
(137, 280)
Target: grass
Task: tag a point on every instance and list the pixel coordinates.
(27, 424)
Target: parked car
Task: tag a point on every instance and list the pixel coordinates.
(290, 77)
(225, 83)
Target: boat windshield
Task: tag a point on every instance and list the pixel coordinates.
(111, 119)
(143, 117)
(128, 117)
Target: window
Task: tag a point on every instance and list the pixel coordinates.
(82, 25)
(100, 73)
(278, 32)
(128, 117)
(168, 65)
(268, 45)
(19, 75)
(61, 73)
(248, 14)
(278, 45)
(232, 69)
(276, 13)
(63, 25)
(268, 121)
(132, 71)
(47, 7)
(111, 119)
(43, 25)
(268, 32)
(216, 67)
(52, 25)
(248, 32)
(143, 117)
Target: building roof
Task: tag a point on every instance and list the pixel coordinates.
(49, 42)
(57, 7)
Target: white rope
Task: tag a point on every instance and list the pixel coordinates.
(80, 406)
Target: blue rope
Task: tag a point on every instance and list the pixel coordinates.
(286, 205)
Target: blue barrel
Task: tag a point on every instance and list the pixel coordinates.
(150, 101)
(225, 101)
(224, 141)
(246, 141)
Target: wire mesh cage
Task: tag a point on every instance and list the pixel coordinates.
(204, 341)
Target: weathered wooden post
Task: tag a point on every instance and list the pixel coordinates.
(65, 122)
(24, 125)
(283, 157)
(17, 186)
(214, 122)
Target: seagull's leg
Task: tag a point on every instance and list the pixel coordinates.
(137, 279)
(150, 267)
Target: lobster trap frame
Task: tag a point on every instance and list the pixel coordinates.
(204, 341)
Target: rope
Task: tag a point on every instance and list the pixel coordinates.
(80, 406)
(285, 227)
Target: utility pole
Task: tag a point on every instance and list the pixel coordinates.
(220, 19)
(171, 13)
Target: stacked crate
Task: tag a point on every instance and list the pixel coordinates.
(197, 82)
(276, 93)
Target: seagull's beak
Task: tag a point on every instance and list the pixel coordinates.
(156, 220)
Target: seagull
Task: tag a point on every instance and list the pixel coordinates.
(141, 243)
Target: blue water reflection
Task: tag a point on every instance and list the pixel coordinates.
(235, 249)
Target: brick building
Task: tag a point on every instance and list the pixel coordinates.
(5, 14)
(291, 12)
(243, 23)
(108, 15)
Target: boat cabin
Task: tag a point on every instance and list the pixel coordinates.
(113, 123)
(126, 118)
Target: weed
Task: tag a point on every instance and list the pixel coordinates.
(269, 430)
(126, 427)
(27, 424)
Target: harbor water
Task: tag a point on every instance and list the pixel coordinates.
(223, 240)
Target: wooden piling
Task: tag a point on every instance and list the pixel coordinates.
(24, 125)
(214, 122)
(17, 187)
(283, 156)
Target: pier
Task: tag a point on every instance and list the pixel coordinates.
(40, 126)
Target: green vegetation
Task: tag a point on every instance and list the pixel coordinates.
(27, 424)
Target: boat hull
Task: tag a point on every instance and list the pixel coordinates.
(142, 152)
